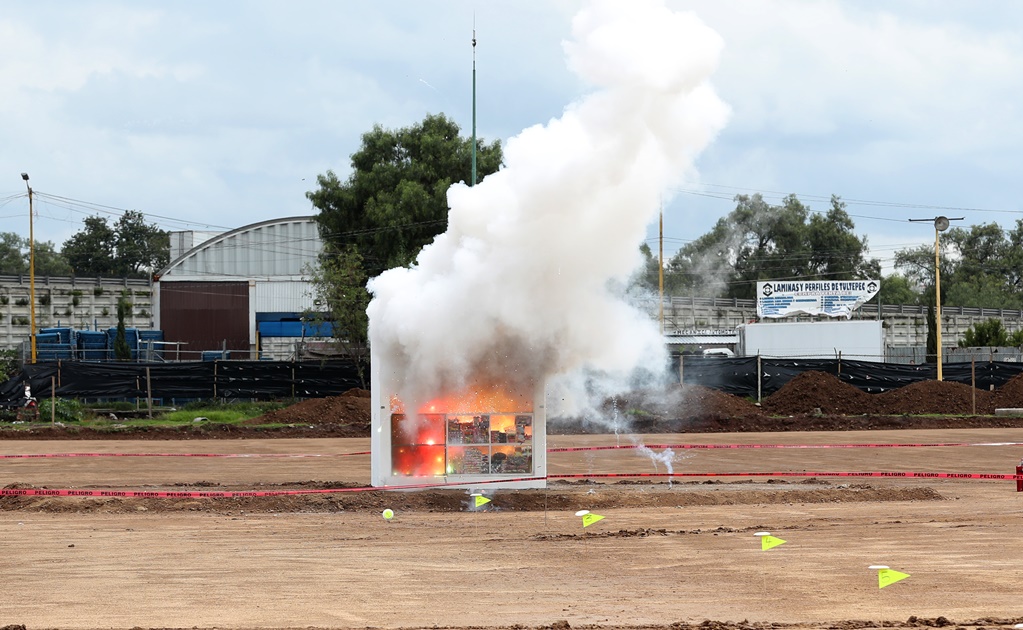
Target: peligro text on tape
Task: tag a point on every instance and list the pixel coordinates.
(161, 494)
(227, 455)
(567, 449)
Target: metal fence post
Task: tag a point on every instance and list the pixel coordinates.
(760, 381)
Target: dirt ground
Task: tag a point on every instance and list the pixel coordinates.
(676, 556)
(666, 556)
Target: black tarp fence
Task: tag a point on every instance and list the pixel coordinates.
(272, 380)
(757, 376)
(231, 380)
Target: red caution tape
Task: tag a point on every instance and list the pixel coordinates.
(236, 455)
(922, 475)
(162, 494)
(571, 449)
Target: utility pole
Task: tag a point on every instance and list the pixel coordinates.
(31, 271)
(472, 181)
(940, 225)
(660, 268)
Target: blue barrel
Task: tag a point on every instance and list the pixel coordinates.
(94, 354)
(47, 338)
(54, 351)
(92, 339)
(63, 333)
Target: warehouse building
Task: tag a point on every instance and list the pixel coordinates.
(240, 294)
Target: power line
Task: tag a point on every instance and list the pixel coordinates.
(77, 205)
(867, 202)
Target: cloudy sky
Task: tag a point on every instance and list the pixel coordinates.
(212, 115)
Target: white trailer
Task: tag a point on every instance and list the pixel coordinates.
(857, 339)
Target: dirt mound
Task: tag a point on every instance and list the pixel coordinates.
(936, 397)
(698, 402)
(1009, 395)
(680, 402)
(673, 409)
(811, 391)
(560, 496)
(357, 392)
(347, 409)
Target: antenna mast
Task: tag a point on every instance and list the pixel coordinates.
(472, 181)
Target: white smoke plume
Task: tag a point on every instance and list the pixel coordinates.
(519, 286)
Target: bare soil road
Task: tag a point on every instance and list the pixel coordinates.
(674, 555)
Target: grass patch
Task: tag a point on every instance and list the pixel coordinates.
(71, 412)
(216, 416)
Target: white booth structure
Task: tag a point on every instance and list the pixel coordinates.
(484, 437)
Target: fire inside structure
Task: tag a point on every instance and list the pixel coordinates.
(486, 433)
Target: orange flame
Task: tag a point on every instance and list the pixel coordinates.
(419, 442)
(483, 399)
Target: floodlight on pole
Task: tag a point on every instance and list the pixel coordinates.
(940, 225)
(31, 272)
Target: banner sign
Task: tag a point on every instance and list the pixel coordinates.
(833, 298)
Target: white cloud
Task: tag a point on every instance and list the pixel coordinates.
(215, 112)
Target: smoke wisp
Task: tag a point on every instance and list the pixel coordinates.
(520, 287)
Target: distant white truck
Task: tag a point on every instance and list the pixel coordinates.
(861, 339)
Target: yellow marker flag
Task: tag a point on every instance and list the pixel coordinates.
(770, 542)
(590, 519)
(889, 576)
(481, 500)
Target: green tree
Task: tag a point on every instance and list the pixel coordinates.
(15, 255)
(896, 289)
(981, 266)
(989, 333)
(395, 200)
(131, 247)
(339, 288)
(50, 262)
(11, 259)
(758, 241)
(122, 350)
(91, 250)
(141, 248)
(648, 278)
(1016, 338)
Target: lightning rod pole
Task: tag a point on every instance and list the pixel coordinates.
(472, 181)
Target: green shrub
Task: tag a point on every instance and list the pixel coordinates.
(65, 410)
(8, 363)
